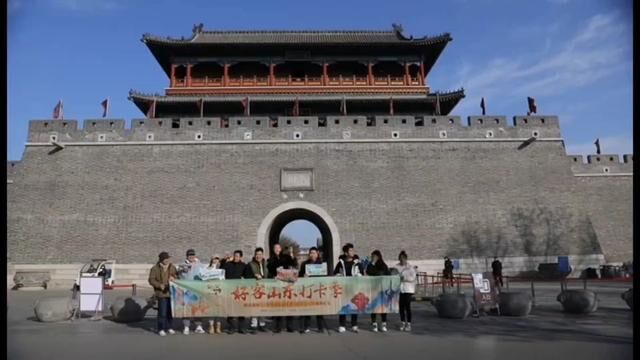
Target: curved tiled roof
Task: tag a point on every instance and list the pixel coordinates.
(448, 99)
(328, 37)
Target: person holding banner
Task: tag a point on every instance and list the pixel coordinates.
(159, 277)
(215, 325)
(278, 260)
(313, 259)
(348, 265)
(235, 269)
(257, 269)
(187, 271)
(407, 289)
(377, 267)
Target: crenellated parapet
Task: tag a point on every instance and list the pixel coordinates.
(343, 127)
(601, 165)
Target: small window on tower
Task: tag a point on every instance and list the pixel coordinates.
(404, 121)
(336, 121)
(371, 121)
(480, 121)
(93, 124)
(322, 122)
(306, 122)
(175, 124)
(160, 123)
(208, 122)
(64, 124)
(386, 121)
(542, 121)
(111, 124)
(451, 121)
(355, 121)
(239, 122)
(46, 124)
(420, 122)
(258, 122)
(289, 122)
(190, 123)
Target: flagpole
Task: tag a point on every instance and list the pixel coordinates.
(201, 108)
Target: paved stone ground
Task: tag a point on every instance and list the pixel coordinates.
(546, 333)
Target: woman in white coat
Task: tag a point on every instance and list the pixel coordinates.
(407, 289)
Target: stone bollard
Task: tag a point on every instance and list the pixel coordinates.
(578, 301)
(627, 296)
(53, 309)
(515, 303)
(129, 309)
(453, 306)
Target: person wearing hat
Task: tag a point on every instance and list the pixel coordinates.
(188, 270)
(159, 276)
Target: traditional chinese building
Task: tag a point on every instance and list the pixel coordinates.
(257, 129)
(277, 73)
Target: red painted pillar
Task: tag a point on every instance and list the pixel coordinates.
(422, 80)
(370, 69)
(189, 75)
(272, 74)
(225, 78)
(325, 74)
(173, 76)
(406, 73)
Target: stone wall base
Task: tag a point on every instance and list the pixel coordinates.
(64, 275)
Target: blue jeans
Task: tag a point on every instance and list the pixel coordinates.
(165, 319)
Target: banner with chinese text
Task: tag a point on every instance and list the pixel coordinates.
(269, 297)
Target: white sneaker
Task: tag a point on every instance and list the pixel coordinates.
(186, 331)
(171, 331)
(375, 327)
(199, 330)
(408, 327)
(384, 327)
(306, 331)
(402, 326)
(162, 333)
(354, 329)
(341, 329)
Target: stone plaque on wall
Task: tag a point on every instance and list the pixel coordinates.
(296, 180)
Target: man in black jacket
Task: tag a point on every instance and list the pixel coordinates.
(235, 269)
(276, 261)
(348, 265)
(313, 259)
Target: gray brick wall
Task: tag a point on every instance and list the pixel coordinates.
(429, 198)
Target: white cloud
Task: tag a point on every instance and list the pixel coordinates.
(594, 52)
(87, 5)
(616, 144)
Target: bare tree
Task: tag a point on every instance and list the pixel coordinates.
(287, 242)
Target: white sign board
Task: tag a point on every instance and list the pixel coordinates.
(91, 293)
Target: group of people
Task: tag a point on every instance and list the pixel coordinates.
(349, 264)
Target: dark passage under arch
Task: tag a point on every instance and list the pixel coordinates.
(288, 216)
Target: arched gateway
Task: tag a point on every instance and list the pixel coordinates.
(272, 225)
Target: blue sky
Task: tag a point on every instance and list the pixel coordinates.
(573, 56)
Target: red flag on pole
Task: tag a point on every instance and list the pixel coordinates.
(391, 106)
(105, 107)
(533, 108)
(296, 108)
(151, 113)
(343, 106)
(57, 111)
(484, 112)
(246, 104)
